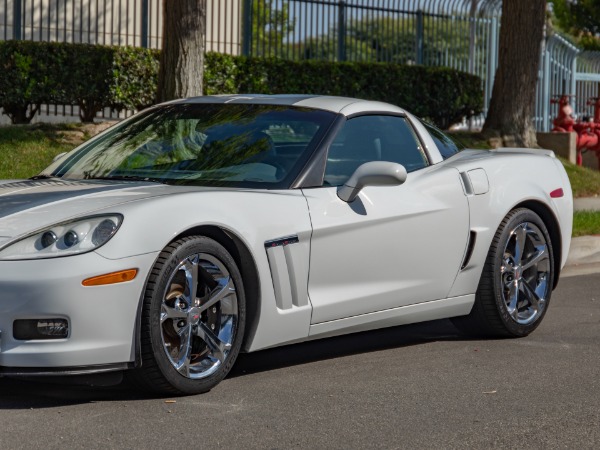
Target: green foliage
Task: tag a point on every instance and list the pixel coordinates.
(270, 26)
(395, 39)
(578, 16)
(387, 39)
(85, 78)
(442, 95)
(220, 74)
(95, 77)
(134, 80)
(581, 18)
(589, 42)
(89, 76)
(25, 78)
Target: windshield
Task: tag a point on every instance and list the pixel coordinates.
(203, 144)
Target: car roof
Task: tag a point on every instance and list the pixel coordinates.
(343, 105)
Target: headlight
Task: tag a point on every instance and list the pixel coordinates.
(64, 239)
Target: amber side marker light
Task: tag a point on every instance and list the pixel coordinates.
(111, 278)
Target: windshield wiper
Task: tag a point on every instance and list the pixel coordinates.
(43, 177)
(130, 178)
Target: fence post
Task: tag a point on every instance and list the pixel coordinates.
(144, 27)
(341, 50)
(17, 20)
(246, 27)
(491, 62)
(419, 48)
(546, 88)
(472, 35)
(574, 81)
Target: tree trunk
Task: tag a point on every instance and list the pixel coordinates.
(20, 114)
(513, 97)
(182, 57)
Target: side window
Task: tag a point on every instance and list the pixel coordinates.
(445, 144)
(372, 138)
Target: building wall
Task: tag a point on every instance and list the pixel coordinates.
(113, 22)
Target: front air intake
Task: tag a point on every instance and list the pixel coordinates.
(35, 329)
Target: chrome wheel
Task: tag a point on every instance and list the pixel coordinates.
(525, 272)
(517, 279)
(199, 316)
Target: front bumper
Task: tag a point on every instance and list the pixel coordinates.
(102, 319)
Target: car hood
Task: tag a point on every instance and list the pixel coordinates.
(29, 205)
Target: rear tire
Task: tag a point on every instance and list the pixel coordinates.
(516, 283)
(193, 318)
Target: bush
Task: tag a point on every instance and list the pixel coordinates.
(134, 80)
(94, 77)
(27, 77)
(442, 95)
(87, 78)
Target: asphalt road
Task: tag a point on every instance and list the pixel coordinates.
(418, 386)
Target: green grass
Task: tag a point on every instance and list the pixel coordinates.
(584, 182)
(26, 150)
(586, 223)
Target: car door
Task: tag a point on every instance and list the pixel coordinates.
(394, 245)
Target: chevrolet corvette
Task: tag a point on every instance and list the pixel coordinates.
(204, 227)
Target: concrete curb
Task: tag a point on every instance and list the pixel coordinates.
(584, 256)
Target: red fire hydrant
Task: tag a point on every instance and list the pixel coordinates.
(588, 133)
(564, 121)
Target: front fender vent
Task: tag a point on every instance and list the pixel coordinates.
(287, 267)
(470, 247)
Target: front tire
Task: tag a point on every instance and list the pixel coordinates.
(516, 283)
(193, 318)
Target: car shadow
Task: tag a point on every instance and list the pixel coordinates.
(17, 394)
(346, 345)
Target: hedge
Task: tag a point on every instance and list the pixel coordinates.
(94, 77)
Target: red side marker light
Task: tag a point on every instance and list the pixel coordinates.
(557, 193)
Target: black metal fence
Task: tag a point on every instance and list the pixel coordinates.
(111, 22)
(462, 34)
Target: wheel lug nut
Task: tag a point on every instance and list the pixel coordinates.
(181, 324)
(212, 326)
(214, 309)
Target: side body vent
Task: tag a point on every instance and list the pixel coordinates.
(288, 271)
(470, 247)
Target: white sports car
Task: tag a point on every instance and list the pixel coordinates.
(208, 226)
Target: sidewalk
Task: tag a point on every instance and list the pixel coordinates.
(584, 255)
(586, 203)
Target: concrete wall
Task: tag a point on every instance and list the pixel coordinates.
(563, 144)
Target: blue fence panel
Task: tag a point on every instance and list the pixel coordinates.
(587, 81)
